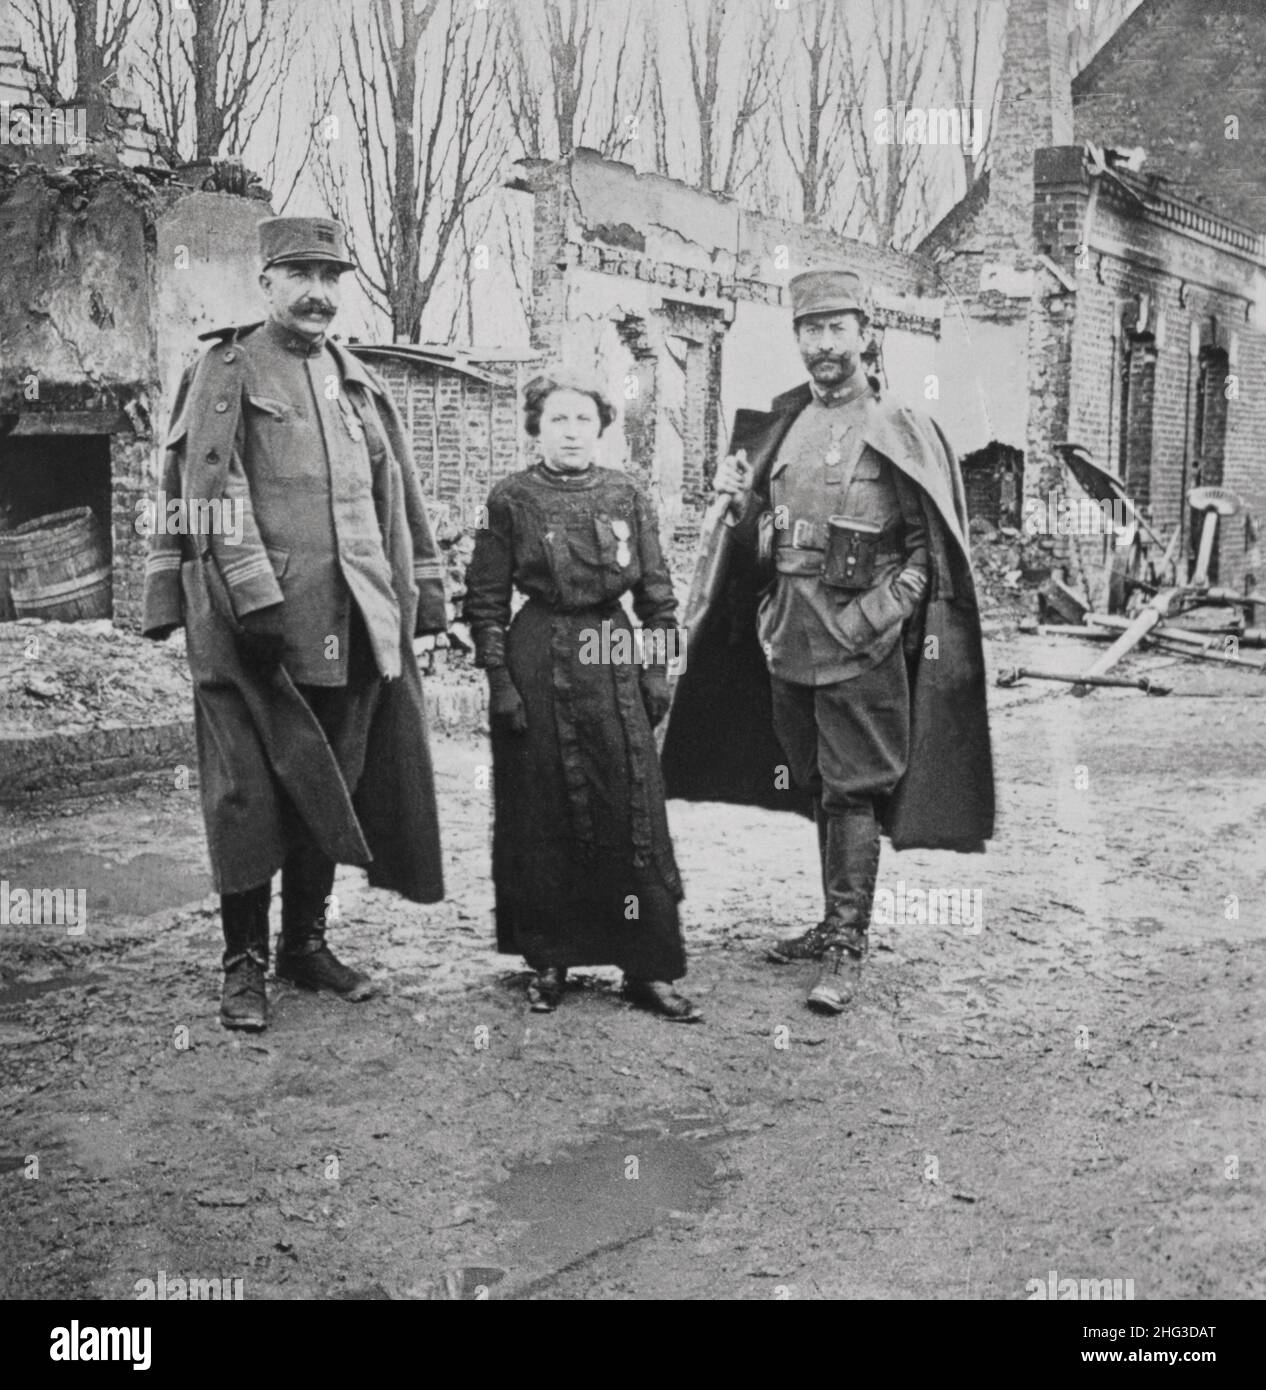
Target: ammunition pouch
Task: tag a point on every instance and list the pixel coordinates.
(852, 553)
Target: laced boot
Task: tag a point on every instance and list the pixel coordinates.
(810, 945)
(545, 989)
(841, 974)
(244, 997)
(303, 958)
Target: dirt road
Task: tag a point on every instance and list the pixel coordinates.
(1071, 1080)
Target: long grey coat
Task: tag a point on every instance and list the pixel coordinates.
(258, 742)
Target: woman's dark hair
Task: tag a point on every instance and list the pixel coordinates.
(540, 388)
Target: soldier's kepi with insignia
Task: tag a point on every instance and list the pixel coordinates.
(283, 240)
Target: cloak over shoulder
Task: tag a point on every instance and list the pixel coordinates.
(720, 743)
(259, 744)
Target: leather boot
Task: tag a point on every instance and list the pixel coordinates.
(850, 867)
(545, 989)
(303, 958)
(840, 977)
(821, 823)
(244, 998)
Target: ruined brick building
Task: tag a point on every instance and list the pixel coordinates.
(1118, 300)
(1068, 296)
(1076, 293)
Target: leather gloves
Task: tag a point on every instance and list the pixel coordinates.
(262, 638)
(654, 683)
(506, 712)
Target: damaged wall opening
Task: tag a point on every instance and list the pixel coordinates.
(46, 473)
(1209, 442)
(60, 575)
(993, 480)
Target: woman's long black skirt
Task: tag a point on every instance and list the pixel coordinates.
(582, 862)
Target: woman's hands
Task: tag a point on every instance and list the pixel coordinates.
(506, 711)
(655, 698)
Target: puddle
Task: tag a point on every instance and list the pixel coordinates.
(22, 990)
(146, 883)
(614, 1188)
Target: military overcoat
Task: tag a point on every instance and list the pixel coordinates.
(259, 745)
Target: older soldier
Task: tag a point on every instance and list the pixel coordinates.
(312, 743)
(847, 562)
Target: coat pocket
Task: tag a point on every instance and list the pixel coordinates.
(281, 444)
(273, 409)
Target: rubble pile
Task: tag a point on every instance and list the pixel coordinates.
(1009, 569)
(68, 677)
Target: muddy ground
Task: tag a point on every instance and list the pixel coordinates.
(1076, 1086)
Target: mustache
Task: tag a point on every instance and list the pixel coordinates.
(311, 306)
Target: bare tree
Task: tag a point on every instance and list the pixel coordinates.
(976, 83)
(419, 78)
(581, 58)
(215, 68)
(94, 31)
(731, 85)
(813, 116)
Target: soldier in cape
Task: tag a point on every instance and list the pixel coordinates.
(300, 621)
(836, 666)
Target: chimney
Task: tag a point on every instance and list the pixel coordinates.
(1036, 111)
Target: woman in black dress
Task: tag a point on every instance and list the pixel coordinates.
(582, 862)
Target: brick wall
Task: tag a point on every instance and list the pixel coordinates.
(466, 433)
(129, 486)
(1168, 80)
(1144, 259)
(1244, 466)
(1035, 112)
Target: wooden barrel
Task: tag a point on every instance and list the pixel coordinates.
(59, 567)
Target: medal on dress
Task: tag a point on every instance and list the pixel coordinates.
(622, 533)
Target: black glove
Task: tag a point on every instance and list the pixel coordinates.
(262, 638)
(506, 712)
(654, 681)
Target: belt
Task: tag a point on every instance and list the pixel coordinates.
(796, 559)
(806, 534)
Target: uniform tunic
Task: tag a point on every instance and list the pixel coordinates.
(813, 634)
(306, 459)
(583, 866)
(840, 695)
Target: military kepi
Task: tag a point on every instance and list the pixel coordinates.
(828, 292)
(283, 239)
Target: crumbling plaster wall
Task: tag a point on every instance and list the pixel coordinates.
(99, 309)
(626, 262)
(76, 295)
(207, 277)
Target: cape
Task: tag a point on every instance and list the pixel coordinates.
(261, 752)
(720, 745)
